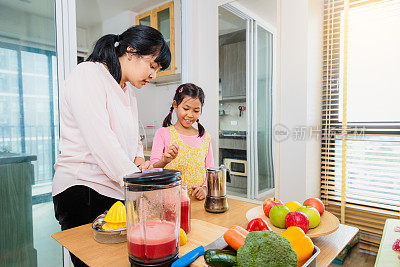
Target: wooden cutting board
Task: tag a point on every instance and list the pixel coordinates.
(80, 241)
(202, 233)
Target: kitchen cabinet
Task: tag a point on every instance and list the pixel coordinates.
(232, 60)
(162, 19)
(16, 242)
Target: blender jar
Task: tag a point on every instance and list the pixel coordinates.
(153, 204)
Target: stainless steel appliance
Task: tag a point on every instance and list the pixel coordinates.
(216, 200)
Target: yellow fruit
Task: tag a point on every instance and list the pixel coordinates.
(293, 205)
(182, 238)
(116, 214)
(301, 244)
(113, 226)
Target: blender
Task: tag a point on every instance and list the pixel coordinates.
(153, 205)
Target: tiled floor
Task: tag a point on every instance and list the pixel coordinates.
(49, 252)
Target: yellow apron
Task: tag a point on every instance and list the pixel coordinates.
(190, 160)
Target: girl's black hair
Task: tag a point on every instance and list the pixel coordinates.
(146, 40)
(191, 90)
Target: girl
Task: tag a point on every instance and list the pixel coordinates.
(181, 146)
(99, 141)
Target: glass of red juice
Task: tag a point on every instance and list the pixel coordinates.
(153, 201)
(185, 209)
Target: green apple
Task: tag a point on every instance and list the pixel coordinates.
(277, 215)
(312, 214)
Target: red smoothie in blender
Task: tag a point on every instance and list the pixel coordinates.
(185, 210)
(160, 241)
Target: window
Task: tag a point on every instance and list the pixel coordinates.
(28, 105)
(360, 180)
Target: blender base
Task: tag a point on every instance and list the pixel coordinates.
(166, 263)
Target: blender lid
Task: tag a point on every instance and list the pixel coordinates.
(153, 177)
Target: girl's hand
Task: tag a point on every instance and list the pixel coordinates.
(200, 192)
(171, 153)
(145, 165)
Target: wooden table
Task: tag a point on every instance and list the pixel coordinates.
(80, 240)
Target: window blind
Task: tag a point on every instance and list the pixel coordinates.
(360, 147)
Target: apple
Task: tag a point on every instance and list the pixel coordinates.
(312, 214)
(298, 219)
(277, 215)
(316, 203)
(269, 203)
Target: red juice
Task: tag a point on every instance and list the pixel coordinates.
(185, 211)
(160, 241)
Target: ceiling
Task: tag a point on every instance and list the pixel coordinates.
(88, 12)
(91, 12)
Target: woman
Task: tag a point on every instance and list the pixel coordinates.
(99, 141)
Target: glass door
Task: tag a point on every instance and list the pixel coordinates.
(28, 133)
(245, 102)
(233, 115)
(264, 171)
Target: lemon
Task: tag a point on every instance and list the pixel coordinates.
(182, 238)
(293, 205)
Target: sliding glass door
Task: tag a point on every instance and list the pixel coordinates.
(245, 102)
(28, 133)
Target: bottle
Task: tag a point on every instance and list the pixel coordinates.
(185, 209)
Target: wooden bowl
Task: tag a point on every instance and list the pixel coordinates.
(329, 222)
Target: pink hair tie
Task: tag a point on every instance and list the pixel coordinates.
(180, 90)
(170, 112)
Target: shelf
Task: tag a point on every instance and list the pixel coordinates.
(232, 98)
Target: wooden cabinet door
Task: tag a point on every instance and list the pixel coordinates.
(233, 69)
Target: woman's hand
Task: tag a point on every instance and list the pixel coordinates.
(145, 165)
(199, 192)
(170, 154)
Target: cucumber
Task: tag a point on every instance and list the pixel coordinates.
(220, 258)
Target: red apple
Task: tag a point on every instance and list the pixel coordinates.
(316, 203)
(298, 219)
(269, 203)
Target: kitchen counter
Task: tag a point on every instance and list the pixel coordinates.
(8, 158)
(80, 240)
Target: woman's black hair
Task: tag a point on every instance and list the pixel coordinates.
(191, 90)
(146, 40)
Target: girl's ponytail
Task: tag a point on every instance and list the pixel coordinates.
(167, 120)
(200, 128)
(104, 51)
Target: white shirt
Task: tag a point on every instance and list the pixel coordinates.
(99, 133)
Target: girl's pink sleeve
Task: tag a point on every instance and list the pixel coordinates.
(157, 149)
(209, 157)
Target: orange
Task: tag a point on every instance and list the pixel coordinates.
(301, 244)
(293, 205)
(182, 238)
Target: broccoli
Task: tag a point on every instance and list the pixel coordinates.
(266, 248)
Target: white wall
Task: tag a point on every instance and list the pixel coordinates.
(300, 97)
(203, 61)
(299, 74)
